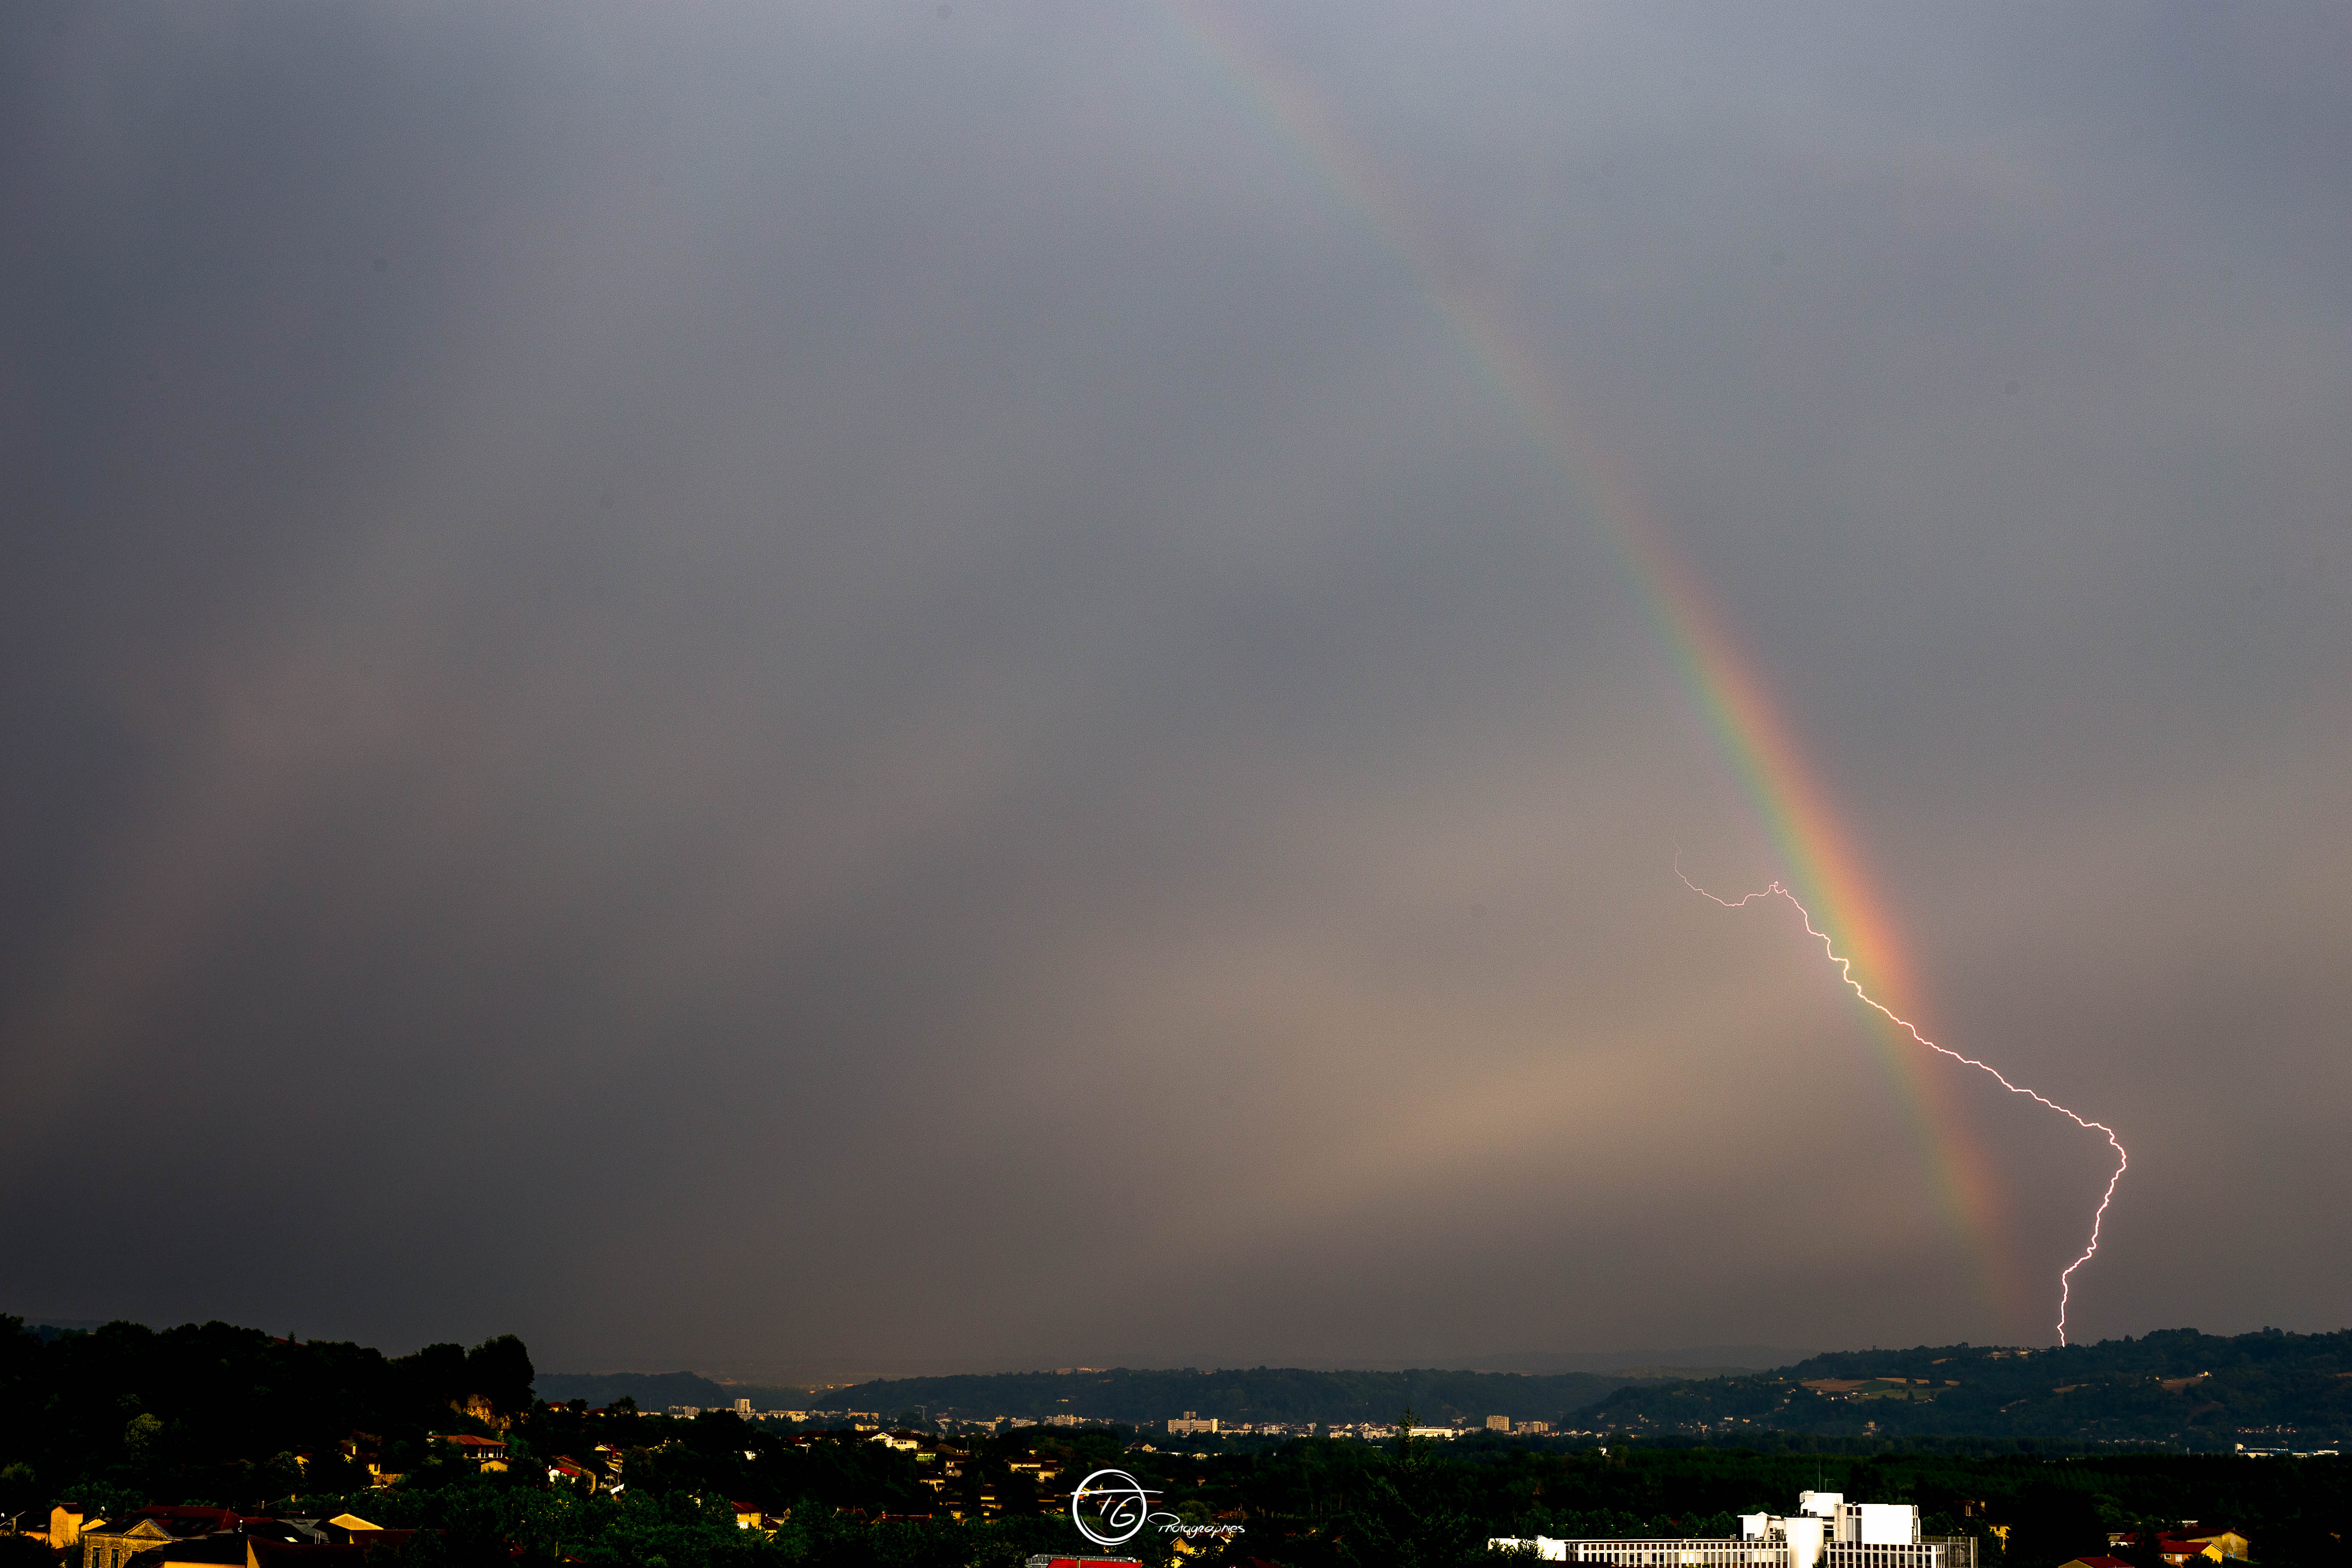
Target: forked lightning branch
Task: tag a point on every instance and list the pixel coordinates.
(1845, 969)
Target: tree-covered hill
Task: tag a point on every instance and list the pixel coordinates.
(219, 1411)
(2178, 1386)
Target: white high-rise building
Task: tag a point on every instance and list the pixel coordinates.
(1826, 1531)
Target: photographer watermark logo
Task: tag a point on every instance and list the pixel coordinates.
(1111, 1508)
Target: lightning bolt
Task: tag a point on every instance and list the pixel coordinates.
(1845, 969)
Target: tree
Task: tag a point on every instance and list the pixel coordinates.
(1410, 1450)
(1405, 1523)
(2053, 1524)
(437, 1373)
(499, 1370)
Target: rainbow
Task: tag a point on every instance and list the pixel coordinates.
(1754, 737)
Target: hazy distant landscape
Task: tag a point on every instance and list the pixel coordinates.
(2181, 1388)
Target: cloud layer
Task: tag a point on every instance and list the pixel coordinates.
(861, 690)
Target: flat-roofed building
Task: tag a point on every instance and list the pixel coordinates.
(1826, 1531)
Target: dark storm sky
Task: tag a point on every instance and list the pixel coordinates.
(866, 688)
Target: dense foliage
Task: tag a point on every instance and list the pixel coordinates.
(218, 1411)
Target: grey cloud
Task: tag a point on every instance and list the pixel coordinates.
(817, 691)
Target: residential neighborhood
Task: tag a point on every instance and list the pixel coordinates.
(212, 1447)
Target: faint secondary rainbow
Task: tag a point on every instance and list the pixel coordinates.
(1757, 741)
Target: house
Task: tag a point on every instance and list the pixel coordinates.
(251, 1542)
(2218, 1546)
(1044, 1474)
(567, 1470)
(262, 1553)
(65, 1526)
(485, 1453)
(367, 1448)
(946, 1470)
(225, 1548)
(2095, 1562)
(350, 1530)
(112, 1543)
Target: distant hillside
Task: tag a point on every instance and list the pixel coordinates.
(2266, 1389)
(1259, 1394)
(2198, 1391)
(651, 1390)
(1689, 1360)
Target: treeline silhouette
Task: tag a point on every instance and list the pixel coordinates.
(216, 1412)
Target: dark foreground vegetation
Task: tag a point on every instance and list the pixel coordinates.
(216, 1415)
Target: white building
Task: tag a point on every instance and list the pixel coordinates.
(1188, 1424)
(1826, 1531)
